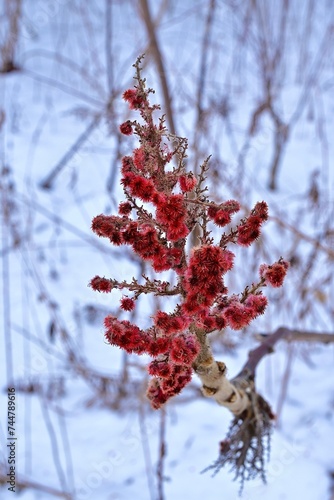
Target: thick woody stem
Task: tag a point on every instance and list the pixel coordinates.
(235, 394)
(212, 373)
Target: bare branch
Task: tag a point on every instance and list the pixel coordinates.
(159, 62)
(50, 178)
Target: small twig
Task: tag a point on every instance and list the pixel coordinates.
(162, 454)
(25, 484)
(146, 450)
(300, 336)
(108, 45)
(63, 87)
(282, 333)
(54, 446)
(285, 383)
(159, 62)
(5, 209)
(49, 179)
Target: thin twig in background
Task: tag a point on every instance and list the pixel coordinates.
(301, 336)
(47, 183)
(6, 273)
(162, 454)
(63, 87)
(201, 87)
(81, 71)
(157, 54)
(108, 45)
(13, 12)
(146, 450)
(282, 333)
(54, 445)
(285, 383)
(23, 483)
(67, 449)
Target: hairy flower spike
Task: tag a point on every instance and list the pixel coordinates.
(163, 204)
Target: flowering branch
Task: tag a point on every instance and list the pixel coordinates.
(164, 206)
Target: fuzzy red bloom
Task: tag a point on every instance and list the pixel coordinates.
(134, 99)
(177, 232)
(124, 208)
(139, 158)
(261, 210)
(171, 214)
(126, 128)
(222, 214)
(237, 315)
(155, 394)
(110, 227)
(140, 187)
(101, 284)
(274, 275)
(126, 335)
(187, 182)
(127, 304)
(204, 276)
(170, 324)
(220, 322)
(127, 165)
(247, 234)
(231, 206)
(184, 349)
(180, 377)
(257, 304)
(130, 232)
(161, 262)
(160, 368)
(220, 217)
(207, 322)
(158, 346)
(147, 245)
(249, 231)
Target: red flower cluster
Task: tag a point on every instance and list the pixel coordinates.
(249, 231)
(101, 284)
(124, 208)
(127, 304)
(174, 355)
(184, 349)
(274, 275)
(161, 389)
(171, 214)
(169, 323)
(126, 128)
(187, 182)
(134, 98)
(238, 314)
(126, 335)
(222, 214)
(157, 233)
(203, 278)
